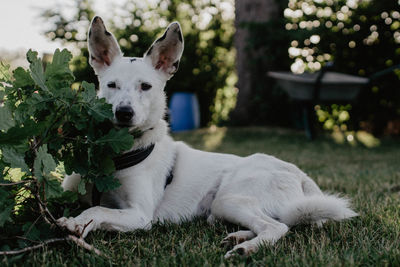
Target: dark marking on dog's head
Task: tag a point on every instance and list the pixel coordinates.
(90, 33)
(133, 60)
(111, 85)
(162, 37)
(92, 57)
(107, 33)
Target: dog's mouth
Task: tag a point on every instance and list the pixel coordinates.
(131, 128)
(135, 131)
(122, 124)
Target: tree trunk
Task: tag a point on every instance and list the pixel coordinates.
(247, 11)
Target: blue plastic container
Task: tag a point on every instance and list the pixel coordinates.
(184, 112)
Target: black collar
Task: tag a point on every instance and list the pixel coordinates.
(127, 160)
(132, 158)
(124, 161)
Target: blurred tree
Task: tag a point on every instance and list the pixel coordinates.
(248, 11)
(262, 44)
(207, 65)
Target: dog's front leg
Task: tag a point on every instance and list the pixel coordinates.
(108, 219)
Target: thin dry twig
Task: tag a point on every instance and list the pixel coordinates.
(32, 225)
(45, 211)
(84, 227)
(44, 243)
(82, 243)
(16, 183)
(78, 241)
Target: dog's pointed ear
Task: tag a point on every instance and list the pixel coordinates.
(103, 48)
(164, 54)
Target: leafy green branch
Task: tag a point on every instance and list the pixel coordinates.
(47, 130)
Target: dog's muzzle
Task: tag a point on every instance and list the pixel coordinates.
(124, 115)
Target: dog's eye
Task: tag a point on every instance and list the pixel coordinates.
(112, 85)
(145, 86)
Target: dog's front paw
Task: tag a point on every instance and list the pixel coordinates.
(244, 249)
(78, 227)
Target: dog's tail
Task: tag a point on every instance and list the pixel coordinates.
(316, 209)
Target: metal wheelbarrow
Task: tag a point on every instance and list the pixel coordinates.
(322, 87)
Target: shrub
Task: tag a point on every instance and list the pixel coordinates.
(45, 126)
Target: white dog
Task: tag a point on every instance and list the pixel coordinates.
(259, 192)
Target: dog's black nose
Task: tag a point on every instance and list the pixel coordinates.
(124, 114)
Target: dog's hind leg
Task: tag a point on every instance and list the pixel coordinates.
(270, 232)
(246, 212)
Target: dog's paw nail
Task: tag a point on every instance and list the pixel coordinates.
(229, 254)
(235, 252)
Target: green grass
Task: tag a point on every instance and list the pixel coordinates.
(370, 176)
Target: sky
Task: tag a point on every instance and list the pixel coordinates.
(21, 27)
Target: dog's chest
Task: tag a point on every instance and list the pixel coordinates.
(116, 199)
(134, 185)
(142, 184)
